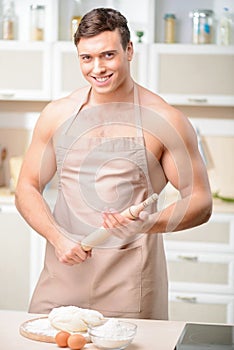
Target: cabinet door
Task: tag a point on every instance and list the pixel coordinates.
(217, 235)
(25, 71)
(67, 75)
(37, 254)
(197, 271)
(193, 74)
(14, 260)
(195, 307)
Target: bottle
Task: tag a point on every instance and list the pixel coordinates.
(37, 22)
(225, 27)
(169, 28)
(9, 21)
(75, 21)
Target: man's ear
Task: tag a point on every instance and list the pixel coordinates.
(130, 51)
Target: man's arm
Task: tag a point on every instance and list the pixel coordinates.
(38, 168)
(185, 170)
(182, 165)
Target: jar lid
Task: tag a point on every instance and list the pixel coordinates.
(169, 15)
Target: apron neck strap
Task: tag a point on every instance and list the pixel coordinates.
(83, 99)
(137, 111)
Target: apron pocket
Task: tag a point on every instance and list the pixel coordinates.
(116, 282)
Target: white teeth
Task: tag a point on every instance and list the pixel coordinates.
(102, 79)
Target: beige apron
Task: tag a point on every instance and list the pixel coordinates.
(122, 278)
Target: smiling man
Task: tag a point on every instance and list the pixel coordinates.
(112, 144)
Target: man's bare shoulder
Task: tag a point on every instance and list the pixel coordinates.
(58, 111)
(172, 116)
(154, 102)
(65, 106)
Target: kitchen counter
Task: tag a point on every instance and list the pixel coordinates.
(151, 334)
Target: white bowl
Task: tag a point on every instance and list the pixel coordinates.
(113, 334)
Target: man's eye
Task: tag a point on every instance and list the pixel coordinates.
(109, 55)
(85, 58)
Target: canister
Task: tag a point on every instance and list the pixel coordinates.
(169, 19)
(202, 26)
(37, 22)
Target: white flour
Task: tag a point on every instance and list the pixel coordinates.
(41, 326)
(113, 334)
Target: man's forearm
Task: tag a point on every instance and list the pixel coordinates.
(183, 214)
(36, 212)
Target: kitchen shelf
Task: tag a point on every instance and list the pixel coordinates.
(58, 15)
(147, 16)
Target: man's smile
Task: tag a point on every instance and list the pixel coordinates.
(102, 79)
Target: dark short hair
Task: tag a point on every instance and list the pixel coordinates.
(100, 20)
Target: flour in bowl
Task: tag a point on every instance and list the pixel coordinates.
(114, 334)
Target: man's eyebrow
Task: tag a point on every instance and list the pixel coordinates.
(101, 53)
(108, 51)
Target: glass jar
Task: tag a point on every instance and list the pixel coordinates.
(37, 22)
(169, 28)
(8, 21)
(202, 26)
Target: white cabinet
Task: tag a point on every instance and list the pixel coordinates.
(67, 75)
(14, 259)
(139, 64)
(201, 307)
(184, 74)
(201, 271)
(193, 74)
(22, 253)
(216, 235)
(25, 71)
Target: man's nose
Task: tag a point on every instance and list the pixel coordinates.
(98, 66)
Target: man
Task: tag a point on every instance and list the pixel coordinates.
(112, 144)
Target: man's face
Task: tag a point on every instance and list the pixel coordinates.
(103, 62)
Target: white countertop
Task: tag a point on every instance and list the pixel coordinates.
(151, 334)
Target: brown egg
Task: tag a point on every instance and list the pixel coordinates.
(76, 341)
(61, 339)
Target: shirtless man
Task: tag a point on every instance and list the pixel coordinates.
(112, 144)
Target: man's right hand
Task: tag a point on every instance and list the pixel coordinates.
(69, 252)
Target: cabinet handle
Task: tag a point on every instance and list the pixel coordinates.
(188, 258)
(198, 100)
(187, 299)
(7, 94)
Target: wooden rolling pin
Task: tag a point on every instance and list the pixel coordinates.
(101, 234)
